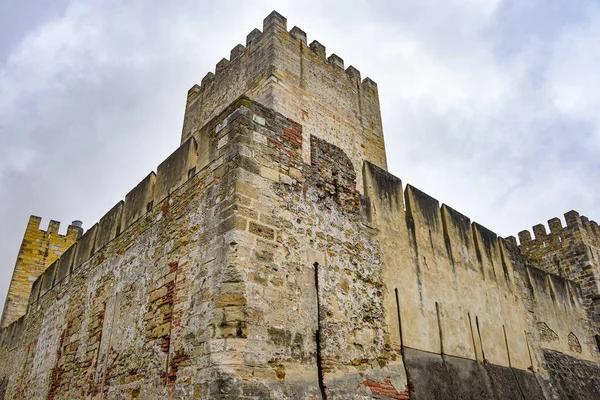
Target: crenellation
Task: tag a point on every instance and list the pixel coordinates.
(380, 292)
(53, 227)
(539, 232)
(74, 230)
(221, 66)
(175, 170)
(139, 200)
(48, 278)
(85, 246)
(318, 49)
(207, 80)
(487, 252)
(299, 34)
(555, 225)
(512, 241)
(524, 237)
(427, 206)
(595, 228)
(65, 264)
(13, 334)
(573, 219)
(353, 74)
(38, 250)
(109, 225)
(461, 224)
(274, 20)
(35, 290)
(193, 91)
(336, 61)
(237, 51)
(253, 37)
(370, 87)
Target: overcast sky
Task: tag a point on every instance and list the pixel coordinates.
(492, 107)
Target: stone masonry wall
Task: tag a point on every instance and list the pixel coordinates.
(572, 252)
(141, 314)
(559, 329)
(262, 276)
(39, 249)
(454, 291)
(279, 70)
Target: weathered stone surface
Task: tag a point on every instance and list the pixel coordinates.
(85, 246)
(65, 264)
(284, 263)
(110, 225)
(138, 201)
(175, 170)
(573, 378)
(39, 249)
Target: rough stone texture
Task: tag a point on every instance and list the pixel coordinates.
(446, 377)
(86, 246)
(110, 225)
(38, 250)
(65, 264)
(268, 258)
(278, 70)
(572, 252)
(175, 170)
(138, 201)
(573, 378)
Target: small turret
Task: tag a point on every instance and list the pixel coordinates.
(39, 249)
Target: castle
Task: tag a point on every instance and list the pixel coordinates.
(273, 256)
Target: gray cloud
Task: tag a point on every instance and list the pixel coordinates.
(488, 106)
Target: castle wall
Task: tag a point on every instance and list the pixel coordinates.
(140, 312)
(238, 270)
(39, 249)
(455, 295)
(312, 272)
(572, 252)
(279, 70)
(456, 292)
(235, 281)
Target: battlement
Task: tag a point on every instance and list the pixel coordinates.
(155, 190)
(278, 69)
(152, 191)
(275, 22)
(220, 231)
(557, 232)
(452, 266)
(38, 250)
(447, 229)
(278, 194)
(571, 251)
(34, 223)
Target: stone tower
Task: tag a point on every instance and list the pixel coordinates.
(280, 70)
(272, 256)
(38, 250)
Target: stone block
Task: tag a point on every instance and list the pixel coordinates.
(138, 201)
(85, 246)
(65, 263)
(261, 230)
(232, 299)
(110, 225)
(174, 171)
(162, 330)
(48, 280)
(16, 333)
(35, 289)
